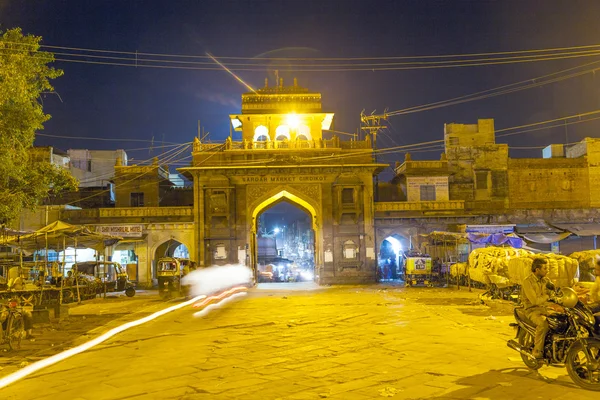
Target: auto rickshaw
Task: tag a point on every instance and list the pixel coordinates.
(418, 271)
(110, 275)
(169, 272)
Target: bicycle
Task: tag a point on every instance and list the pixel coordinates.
(13, 326)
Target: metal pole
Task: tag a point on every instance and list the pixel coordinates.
(62, 274)
(76, 274)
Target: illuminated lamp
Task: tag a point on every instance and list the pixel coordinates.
(292, 120)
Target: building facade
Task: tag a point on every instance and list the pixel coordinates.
(278, 152)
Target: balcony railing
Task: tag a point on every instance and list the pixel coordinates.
(334, 143)
(423, 165)
(420, 205)
(99, 214)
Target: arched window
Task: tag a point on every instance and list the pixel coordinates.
(261, 134)
(303, 133)
(282, 132)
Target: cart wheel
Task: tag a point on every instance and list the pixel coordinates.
(130, 292)
(68, 296)
(15, 331)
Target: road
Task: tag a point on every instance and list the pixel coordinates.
(363, 342)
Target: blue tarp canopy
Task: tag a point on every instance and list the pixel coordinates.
(496, 239)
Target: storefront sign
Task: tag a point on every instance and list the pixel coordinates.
(490, 228)
(284, 179)
(121, 230)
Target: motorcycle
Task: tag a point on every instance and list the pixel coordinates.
(573, 339)
(11, 324)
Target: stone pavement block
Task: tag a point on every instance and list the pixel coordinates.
(346, 375)
(302, 396)
(214, 363)
(136, 376)
(324, 372)
(315, 383)
(235, 383)
(354, 396)
(359, 384)
(311, 365)
(172, 393)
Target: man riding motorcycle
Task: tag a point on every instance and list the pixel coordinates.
(535, 295)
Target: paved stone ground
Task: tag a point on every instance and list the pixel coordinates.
(336, 343)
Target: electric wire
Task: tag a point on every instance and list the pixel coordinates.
(101, 139)
(309, 68)
(165, 161)
(496, 91)
(552, 49)
(415, 65)
(139, 60)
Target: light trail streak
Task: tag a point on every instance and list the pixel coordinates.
(198, 301)
(211, 307)
(232, 73)
(220, 296)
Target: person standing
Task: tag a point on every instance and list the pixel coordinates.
(535, 294)
(595, 290)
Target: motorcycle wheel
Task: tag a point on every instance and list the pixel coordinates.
(15, 331)
(130, 292)
(526, 342)
(577, 365)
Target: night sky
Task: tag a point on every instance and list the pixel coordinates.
(120, 102)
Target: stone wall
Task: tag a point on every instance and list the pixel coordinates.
(548, 183)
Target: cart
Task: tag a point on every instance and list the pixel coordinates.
(418, 271)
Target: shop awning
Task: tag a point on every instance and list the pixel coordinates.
(546, 238)
(141, 239)
(60, 234)
(536, 227)
(581, 229)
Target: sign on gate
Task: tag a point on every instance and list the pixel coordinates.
(121, 230)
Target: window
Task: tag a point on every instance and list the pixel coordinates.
(347, 195)
(452, 141)
(282, 132)
(137, 200)
(261, 133)
(427, 192)
(220, 252)
(481, 179)
(89, 166)
(349, 250)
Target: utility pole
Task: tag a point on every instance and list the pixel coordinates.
(372, 124)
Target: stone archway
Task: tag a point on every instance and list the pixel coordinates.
(390, 259)
(294, 197)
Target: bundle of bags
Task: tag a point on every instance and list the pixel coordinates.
(587, 264)
(562, 270)
(490, 264)
(458, 269)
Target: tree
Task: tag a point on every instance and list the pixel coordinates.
(24, 76)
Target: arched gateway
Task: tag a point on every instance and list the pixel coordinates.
(331, 180)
